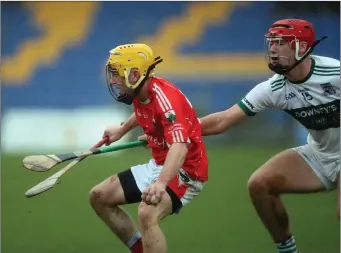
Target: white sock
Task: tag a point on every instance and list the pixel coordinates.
(133, 239)
(289, 246)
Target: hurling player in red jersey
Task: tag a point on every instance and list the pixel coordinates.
(177, 171)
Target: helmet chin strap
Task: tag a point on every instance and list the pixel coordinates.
(281, 70)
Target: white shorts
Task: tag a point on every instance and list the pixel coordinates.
(182, 185)
(326, 168)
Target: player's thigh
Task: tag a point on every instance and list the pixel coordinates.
(325, 165)
(118, 189)
(286, 172)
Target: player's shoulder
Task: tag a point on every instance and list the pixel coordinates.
(326, 69)
(273, 84)
(325, 62)
(161, 86)
(161, 83)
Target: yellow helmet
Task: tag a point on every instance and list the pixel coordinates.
(123, 58)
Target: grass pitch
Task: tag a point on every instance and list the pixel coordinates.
(219, 220)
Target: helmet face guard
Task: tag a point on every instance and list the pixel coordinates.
(293, 31)
(278, 63)
(114, 81)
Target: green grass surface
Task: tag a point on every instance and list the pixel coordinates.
(220, 220)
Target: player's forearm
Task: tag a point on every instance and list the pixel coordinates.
(213, 124)
(129, 124)
(174, 161)
(219, 122)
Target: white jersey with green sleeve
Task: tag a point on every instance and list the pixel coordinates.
(314, 102)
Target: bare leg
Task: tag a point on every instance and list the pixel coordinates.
(286, 172)
(154, 240)
(105, 199)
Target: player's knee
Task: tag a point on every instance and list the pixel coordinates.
(102, 194)
(147, 214)
(258, 184)
(96, 196)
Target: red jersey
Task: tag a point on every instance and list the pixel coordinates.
(168, 117)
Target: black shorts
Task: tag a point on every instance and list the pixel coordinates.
(133, 194)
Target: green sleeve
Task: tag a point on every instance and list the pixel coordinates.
(246, 109)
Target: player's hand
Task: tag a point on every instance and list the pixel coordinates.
(114, 133)
(152, 195)
(143, 138)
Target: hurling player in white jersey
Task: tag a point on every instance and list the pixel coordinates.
(308, 88)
